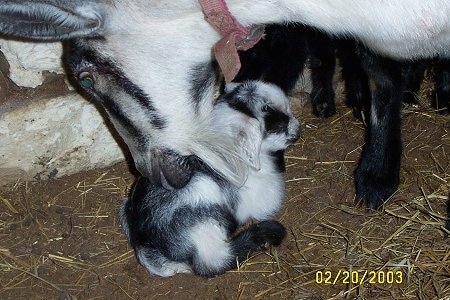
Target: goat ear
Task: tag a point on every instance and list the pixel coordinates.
(249, 142)
(50, 20)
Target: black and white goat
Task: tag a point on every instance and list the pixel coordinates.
(150, 64)
(194, 228)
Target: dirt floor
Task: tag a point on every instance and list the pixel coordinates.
(60, 239)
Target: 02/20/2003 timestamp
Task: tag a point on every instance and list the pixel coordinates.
(359, 277)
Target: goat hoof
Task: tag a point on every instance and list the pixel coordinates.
(374, 190)
(324, 110)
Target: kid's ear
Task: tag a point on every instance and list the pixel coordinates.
(249, 141)
(50, 20)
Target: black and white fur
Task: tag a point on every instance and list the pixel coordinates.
(280, 57)
(153, 71)
(193, 229)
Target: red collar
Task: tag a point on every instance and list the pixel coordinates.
(234, 36)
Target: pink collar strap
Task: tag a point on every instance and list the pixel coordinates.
(234, 36)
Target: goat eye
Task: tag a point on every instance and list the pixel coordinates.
(86, 80)
(265, 108)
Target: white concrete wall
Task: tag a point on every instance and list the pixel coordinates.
(48, 137)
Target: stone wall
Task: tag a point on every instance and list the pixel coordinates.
(46, 129)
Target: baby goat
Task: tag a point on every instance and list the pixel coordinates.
(193, 229)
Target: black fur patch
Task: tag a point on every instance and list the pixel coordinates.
(276, 121)
(235, 100)
(278, 160)
(114, 111)
(203, 76)
(176, 169)
(278, 58)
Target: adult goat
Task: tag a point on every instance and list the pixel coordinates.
(161, 72)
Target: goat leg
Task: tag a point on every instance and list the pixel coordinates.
(377, 175)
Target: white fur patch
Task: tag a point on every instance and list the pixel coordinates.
(202, 190)
(263, 193)
(401, 29)
(161, 266)
(210, 240)
(373, 115)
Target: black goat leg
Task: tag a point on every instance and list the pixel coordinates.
(441, 99)
(287, 55)
(357, 91)
(413, 73)
(279, 58)
(322, 62)
(377, 175)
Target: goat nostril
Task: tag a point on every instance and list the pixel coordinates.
(293, 137)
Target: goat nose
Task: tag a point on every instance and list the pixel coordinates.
(293, 137)
(165, 168)
(295, 133)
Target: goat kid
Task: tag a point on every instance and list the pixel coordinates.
(193, 229)
(150, 66)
